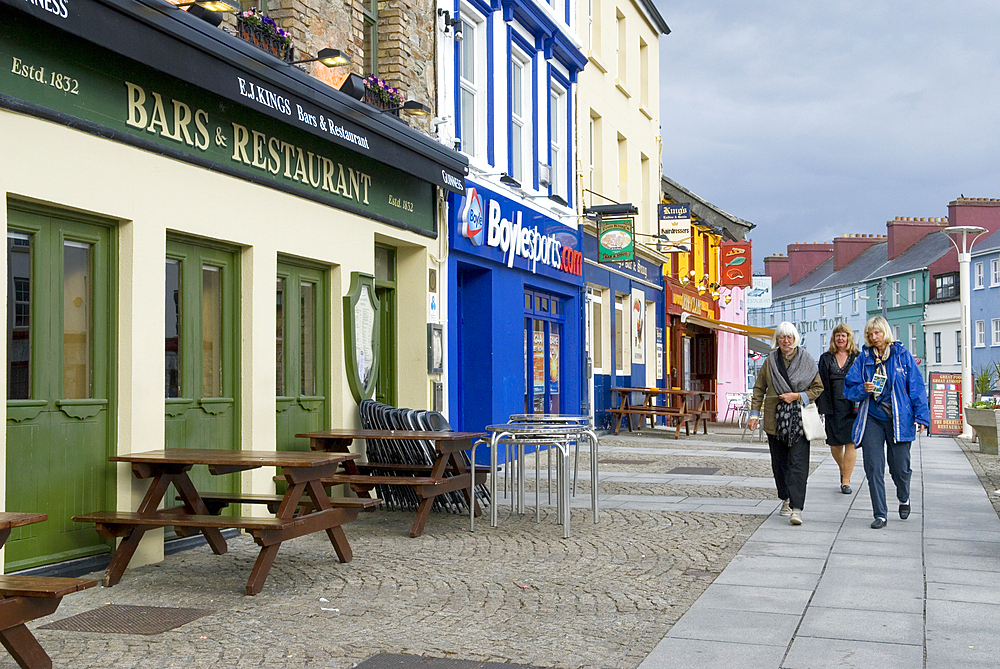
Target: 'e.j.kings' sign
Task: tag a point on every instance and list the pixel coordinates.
(497, 226)
(59, 72)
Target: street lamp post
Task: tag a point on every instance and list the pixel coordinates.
(964, 283)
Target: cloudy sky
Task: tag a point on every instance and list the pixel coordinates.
(814, 119)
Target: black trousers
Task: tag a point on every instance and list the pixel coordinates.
(790, 465)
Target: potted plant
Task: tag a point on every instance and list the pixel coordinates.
(984, 415)
(259, 29)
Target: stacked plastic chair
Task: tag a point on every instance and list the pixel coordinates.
(418, 454)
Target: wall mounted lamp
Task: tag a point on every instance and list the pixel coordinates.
(624, 209)
(327, 56)
(411, 107)
(451, 23)
(209, 11)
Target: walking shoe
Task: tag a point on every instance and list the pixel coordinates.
(904, 511)
(786, 508)
(795, 518)
(846, 489)
(878, 523)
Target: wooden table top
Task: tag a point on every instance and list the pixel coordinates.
(390, 434)
(220, 457)
(9, 519)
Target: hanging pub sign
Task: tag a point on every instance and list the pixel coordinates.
(759, 295)
(737, 265)
(615, 239)
(675, 223)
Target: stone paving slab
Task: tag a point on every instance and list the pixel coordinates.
(811, 653)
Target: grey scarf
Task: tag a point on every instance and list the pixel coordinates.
(801, 371)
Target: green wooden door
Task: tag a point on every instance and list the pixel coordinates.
(302, 340)
(201, 345)
(60, 278)
(385, 290)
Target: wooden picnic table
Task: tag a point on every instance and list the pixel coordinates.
(25, 598)
(447, 473)
(302, 471)
(676, 411)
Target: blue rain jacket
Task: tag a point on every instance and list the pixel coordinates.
(909, 394)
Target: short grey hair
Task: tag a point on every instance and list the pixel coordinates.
(785, 328)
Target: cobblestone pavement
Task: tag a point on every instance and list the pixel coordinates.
(517, 593)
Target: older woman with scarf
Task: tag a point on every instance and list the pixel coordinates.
(787, 381)
(892, 408)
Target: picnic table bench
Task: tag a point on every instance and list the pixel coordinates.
(303, 509)
(448, 473)
(26, 598)
(676, 411)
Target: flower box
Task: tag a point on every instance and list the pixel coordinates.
(261, 31)
(985, 421)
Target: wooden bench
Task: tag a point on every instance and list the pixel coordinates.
(27, 598)
(217, 501)
(676, 416)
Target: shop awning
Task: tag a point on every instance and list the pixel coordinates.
(726, 326)
(758, 346)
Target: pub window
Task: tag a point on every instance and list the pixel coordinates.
(369, 39)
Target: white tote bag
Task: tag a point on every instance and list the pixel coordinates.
(812, 422)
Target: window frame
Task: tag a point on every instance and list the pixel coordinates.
(980, 334)
(977, 276)
(521, 57)
(474, 39)
(994, 272)
(911, 289)
(995, 329)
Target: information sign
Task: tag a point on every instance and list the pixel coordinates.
(946, 403)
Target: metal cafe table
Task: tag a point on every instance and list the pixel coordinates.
(541, 430)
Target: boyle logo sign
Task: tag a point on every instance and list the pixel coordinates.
(498, 228)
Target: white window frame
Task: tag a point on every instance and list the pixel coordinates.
(995, 326)
(856, 300)
(520, 169)
(912, 290)
(558, 140)
(840, 309)
(937, 348)
(822, 305)
(474, 39)
(895, 332)
(822, 342)
(803, 308)
(895, 294)
(622, 335)
(958, 346)
(913, 338)
(995, 272)
(980, 334)
(977, 276)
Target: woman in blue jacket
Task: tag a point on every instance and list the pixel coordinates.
(892, 408)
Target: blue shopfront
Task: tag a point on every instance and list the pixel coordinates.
(515, 311)
(625, 315)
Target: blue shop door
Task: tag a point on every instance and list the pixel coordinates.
(543, 323)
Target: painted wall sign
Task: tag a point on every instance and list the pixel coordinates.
(492, 226)
(759, 295)
(65, 74)
(675, 222)
(945, 395)
(615, 240)
(737, 265)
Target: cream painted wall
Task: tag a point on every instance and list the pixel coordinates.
(615, 96)
(150, 195)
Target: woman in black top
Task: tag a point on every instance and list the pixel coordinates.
(839, 412)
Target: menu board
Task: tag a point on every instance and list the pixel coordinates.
(946, 403)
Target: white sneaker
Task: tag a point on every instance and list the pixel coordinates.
(786, 508)
(795, 518)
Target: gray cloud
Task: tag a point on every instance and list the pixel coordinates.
(815, 119)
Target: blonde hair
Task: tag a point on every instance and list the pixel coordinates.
(852, 345)
(786, 328)
(880, 324)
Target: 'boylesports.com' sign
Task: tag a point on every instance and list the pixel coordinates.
(493, 226)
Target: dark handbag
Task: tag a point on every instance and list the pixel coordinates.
(788, 420)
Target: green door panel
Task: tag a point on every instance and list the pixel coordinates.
(302, 339)
(201, 346)
(59, 393)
